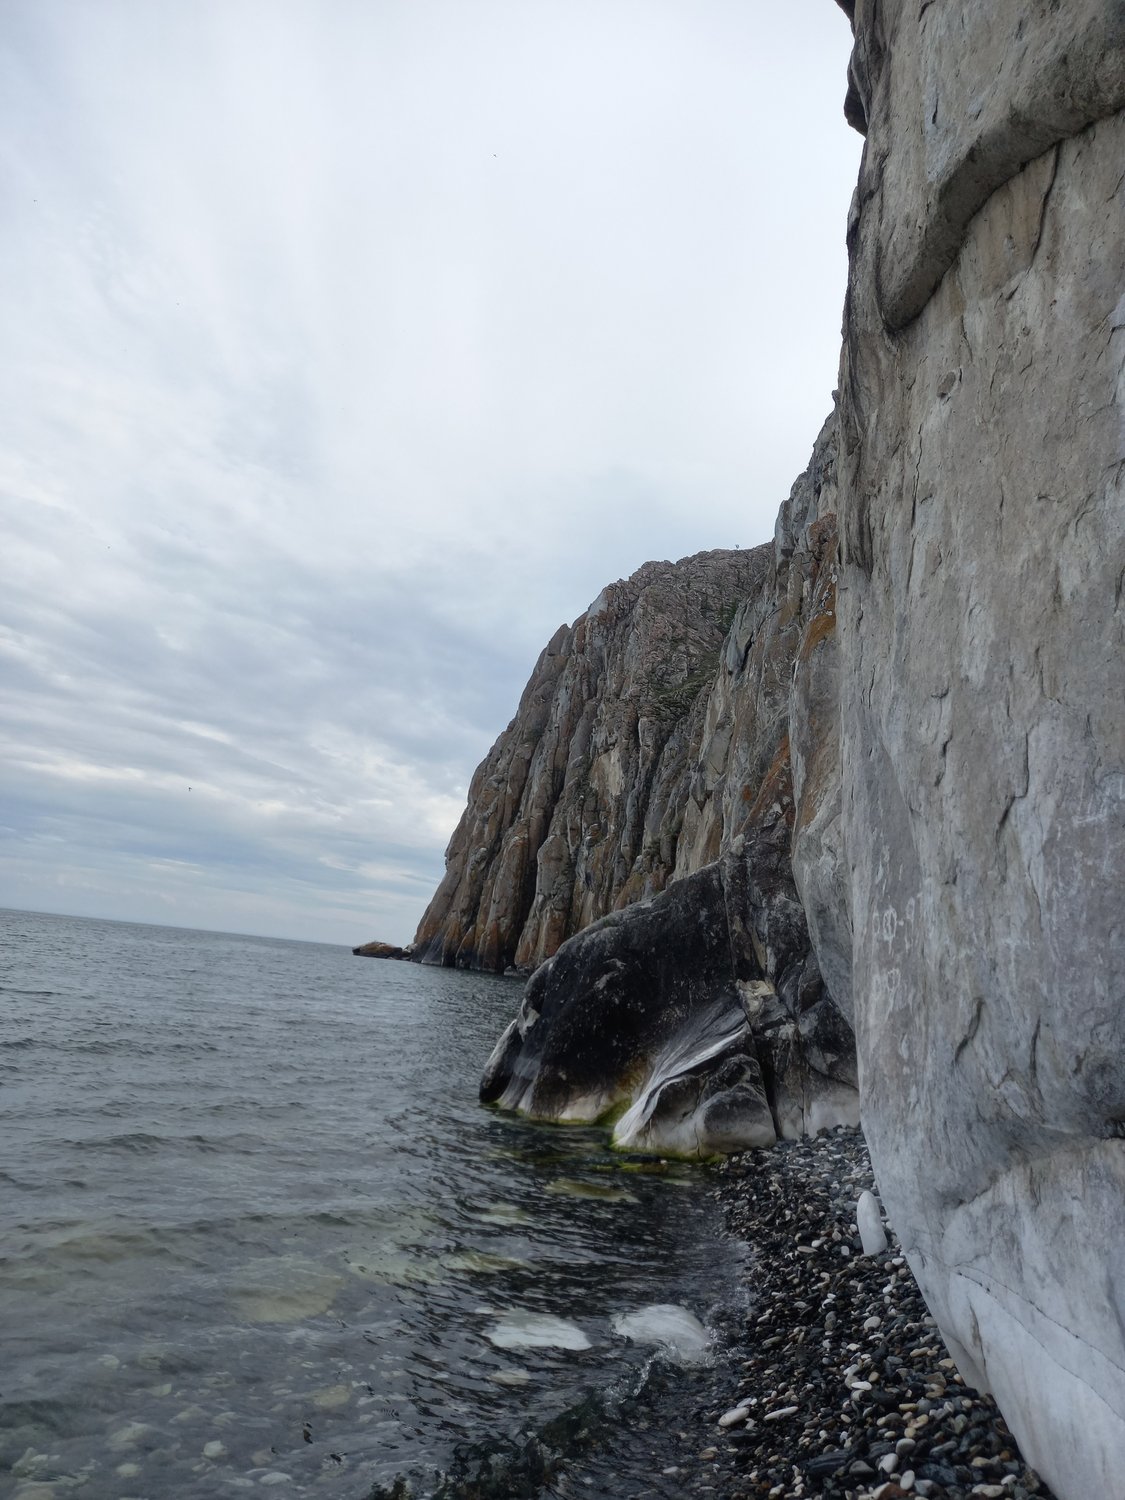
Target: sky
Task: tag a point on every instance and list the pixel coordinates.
(349, 347)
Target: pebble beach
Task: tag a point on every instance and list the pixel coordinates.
(841, 1388)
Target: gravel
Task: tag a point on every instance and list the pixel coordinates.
(842, 1386)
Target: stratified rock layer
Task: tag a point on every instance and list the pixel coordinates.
(577, 808)
(983, 699)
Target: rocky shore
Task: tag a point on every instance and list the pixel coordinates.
(842, 1389)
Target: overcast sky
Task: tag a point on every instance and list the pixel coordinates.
(350, 346)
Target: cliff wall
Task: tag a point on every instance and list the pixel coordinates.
(982, 642)
(897, 802)
(577, 808)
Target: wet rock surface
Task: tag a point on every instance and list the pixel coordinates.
(701, 1014)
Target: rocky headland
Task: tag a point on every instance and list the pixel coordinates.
(577, 809)
(832, 828)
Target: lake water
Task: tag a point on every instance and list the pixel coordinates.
(256, 1233)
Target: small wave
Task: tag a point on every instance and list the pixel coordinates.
(27, 994)
(142, 1142)
(19, 1043)
(137, 1141)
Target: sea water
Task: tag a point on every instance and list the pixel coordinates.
(256, 1233)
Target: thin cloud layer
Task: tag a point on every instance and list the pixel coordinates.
(349, 350)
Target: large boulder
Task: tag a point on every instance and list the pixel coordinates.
(982, 640)
(696, 1021)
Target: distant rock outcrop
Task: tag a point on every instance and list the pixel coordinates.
(375, 949)
(577, 808)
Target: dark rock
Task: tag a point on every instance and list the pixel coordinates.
(827, 1463)
(685, 1020)
(381, 950)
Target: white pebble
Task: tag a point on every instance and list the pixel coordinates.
(871, 1323)
(870, 1222)
(729, 1418)
(888, 1463)
(782, 1411)
(214, 1449)
(906, 1481)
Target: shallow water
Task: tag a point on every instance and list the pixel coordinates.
(256, 1232)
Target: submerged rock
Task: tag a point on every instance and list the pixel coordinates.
(670, 1327)
(527, 1330)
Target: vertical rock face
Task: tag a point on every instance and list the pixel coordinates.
(983, 693)
(577, 808)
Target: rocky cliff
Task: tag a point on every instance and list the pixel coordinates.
(697, 1018)
(982, 641)
(577, 808)
(898, 801)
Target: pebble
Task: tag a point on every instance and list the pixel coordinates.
(854, 1394)
(214, 1449)
(872, 1235)
(781, 1411)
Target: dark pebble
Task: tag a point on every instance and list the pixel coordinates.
(803, 1345)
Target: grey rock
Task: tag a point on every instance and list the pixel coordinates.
(982, 644)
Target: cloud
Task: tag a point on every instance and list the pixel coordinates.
(348, 352)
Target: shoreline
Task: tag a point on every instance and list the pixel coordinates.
(839, 1385)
